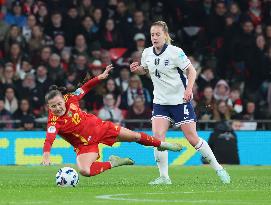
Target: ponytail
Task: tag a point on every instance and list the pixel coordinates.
(86, 79)
(63, 90)
(168, 39)
(54, 91)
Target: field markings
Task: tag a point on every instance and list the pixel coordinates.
(47, 202)
(121, 197)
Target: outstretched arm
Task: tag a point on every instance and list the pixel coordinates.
(105, 74)
(80, 92)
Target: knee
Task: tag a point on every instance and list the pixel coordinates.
(84, 171)
(135, 138)
(193, 140)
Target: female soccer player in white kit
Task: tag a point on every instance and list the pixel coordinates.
(173, 77)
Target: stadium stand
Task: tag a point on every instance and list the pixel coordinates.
(59, 42)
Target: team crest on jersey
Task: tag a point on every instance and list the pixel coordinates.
(166, 62)
(78, 91)
(69, 113)
(73, 106)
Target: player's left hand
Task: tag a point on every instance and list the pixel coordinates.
(105, 74)
(187, 95)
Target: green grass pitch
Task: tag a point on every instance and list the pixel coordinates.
(35, 185)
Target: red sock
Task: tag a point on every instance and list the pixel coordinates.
(149, 140)
(99, 167)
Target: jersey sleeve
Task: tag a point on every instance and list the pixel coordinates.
(180, 59)
(82, 91)
(143, 60)
(51, 132)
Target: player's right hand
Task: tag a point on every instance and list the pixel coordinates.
(134, 66)
(105, 74)
(46, 163)
(46, 159)
(188, 93)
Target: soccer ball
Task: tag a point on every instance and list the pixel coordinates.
(67, 177)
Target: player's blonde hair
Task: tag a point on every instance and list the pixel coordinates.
(165, 29)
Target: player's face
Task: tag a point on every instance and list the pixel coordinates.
(57, 105)
(158, 36)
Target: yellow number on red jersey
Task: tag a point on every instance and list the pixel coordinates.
(76, 118)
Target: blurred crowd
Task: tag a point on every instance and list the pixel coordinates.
(45, 42)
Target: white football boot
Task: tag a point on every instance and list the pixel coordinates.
(224, 176)
(161, 181)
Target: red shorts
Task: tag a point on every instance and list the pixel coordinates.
(108, 138)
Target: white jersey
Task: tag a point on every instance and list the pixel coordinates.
(167, 71)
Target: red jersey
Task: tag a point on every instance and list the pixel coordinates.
(75, 126)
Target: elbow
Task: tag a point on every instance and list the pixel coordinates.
(192, 71)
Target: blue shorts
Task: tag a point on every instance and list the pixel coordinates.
(176, 114)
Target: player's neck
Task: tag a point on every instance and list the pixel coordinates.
(158, 49)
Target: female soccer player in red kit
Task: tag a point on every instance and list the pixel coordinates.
(85, 131)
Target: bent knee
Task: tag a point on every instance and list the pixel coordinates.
(193, 140)
(134, 139)
(85, 171)
(137, 137)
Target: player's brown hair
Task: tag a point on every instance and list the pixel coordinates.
(165, 29)
(54, 91)
(86, 79)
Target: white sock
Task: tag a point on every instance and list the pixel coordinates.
(208, 154)
(161, 158)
